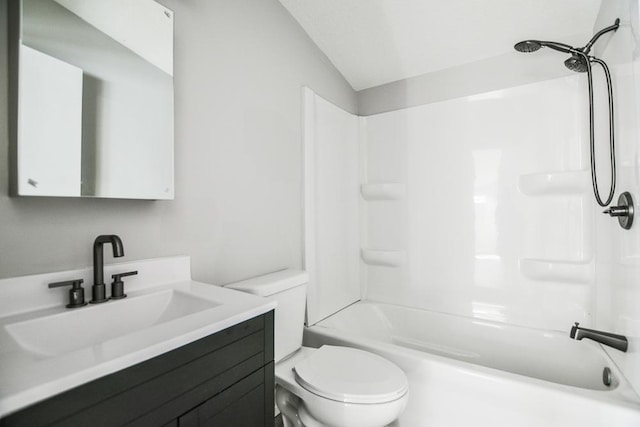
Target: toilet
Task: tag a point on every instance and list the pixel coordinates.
(332, 385)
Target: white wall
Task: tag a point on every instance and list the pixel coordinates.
(508, 70)
(239, 69)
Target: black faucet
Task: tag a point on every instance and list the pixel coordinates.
(607, 338)
(98, 291)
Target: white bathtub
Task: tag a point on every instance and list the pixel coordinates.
(471, 372)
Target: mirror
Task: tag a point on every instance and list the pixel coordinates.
(95, 99)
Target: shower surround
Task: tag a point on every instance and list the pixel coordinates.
(493, 216)
(477, 206)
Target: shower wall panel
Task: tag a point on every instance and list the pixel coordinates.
(332, 208)
(491, 216)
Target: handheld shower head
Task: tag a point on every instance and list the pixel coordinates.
(527, 46)
(534, 45)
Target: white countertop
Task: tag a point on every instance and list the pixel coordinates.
(27, 377)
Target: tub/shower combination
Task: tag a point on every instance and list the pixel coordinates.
(466, 371)
(453, 196)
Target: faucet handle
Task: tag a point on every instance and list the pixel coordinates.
(117, 286)
(76, 293)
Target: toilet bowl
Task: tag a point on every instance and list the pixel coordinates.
(330, 386)
(339, 386)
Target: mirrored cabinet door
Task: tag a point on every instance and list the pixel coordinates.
(95, 98)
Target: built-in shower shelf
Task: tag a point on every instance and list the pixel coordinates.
(555, 183)
(383, 258)
(382, 191)
(556, 270)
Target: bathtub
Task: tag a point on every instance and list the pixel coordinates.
(472, 372)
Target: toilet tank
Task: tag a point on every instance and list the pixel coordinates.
(289, 289)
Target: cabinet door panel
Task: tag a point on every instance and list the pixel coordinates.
(242, 404)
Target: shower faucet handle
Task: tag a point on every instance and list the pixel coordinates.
(617, 211)
(624, 211)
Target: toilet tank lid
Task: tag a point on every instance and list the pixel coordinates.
(272, 283)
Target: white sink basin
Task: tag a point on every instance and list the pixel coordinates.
(59, 334)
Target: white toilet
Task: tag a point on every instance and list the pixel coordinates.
(329, 386)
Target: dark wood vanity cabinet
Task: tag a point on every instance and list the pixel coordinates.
(225, 379)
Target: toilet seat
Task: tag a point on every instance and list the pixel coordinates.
(350, 375)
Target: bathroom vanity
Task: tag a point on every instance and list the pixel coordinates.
(193, 354)
(223, 379)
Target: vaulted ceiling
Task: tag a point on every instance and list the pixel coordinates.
(373, 42)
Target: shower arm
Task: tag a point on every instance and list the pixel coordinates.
(597, 35)
(594, 181)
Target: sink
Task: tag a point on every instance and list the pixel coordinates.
(62, 333)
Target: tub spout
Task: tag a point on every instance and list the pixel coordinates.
(607, 338)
